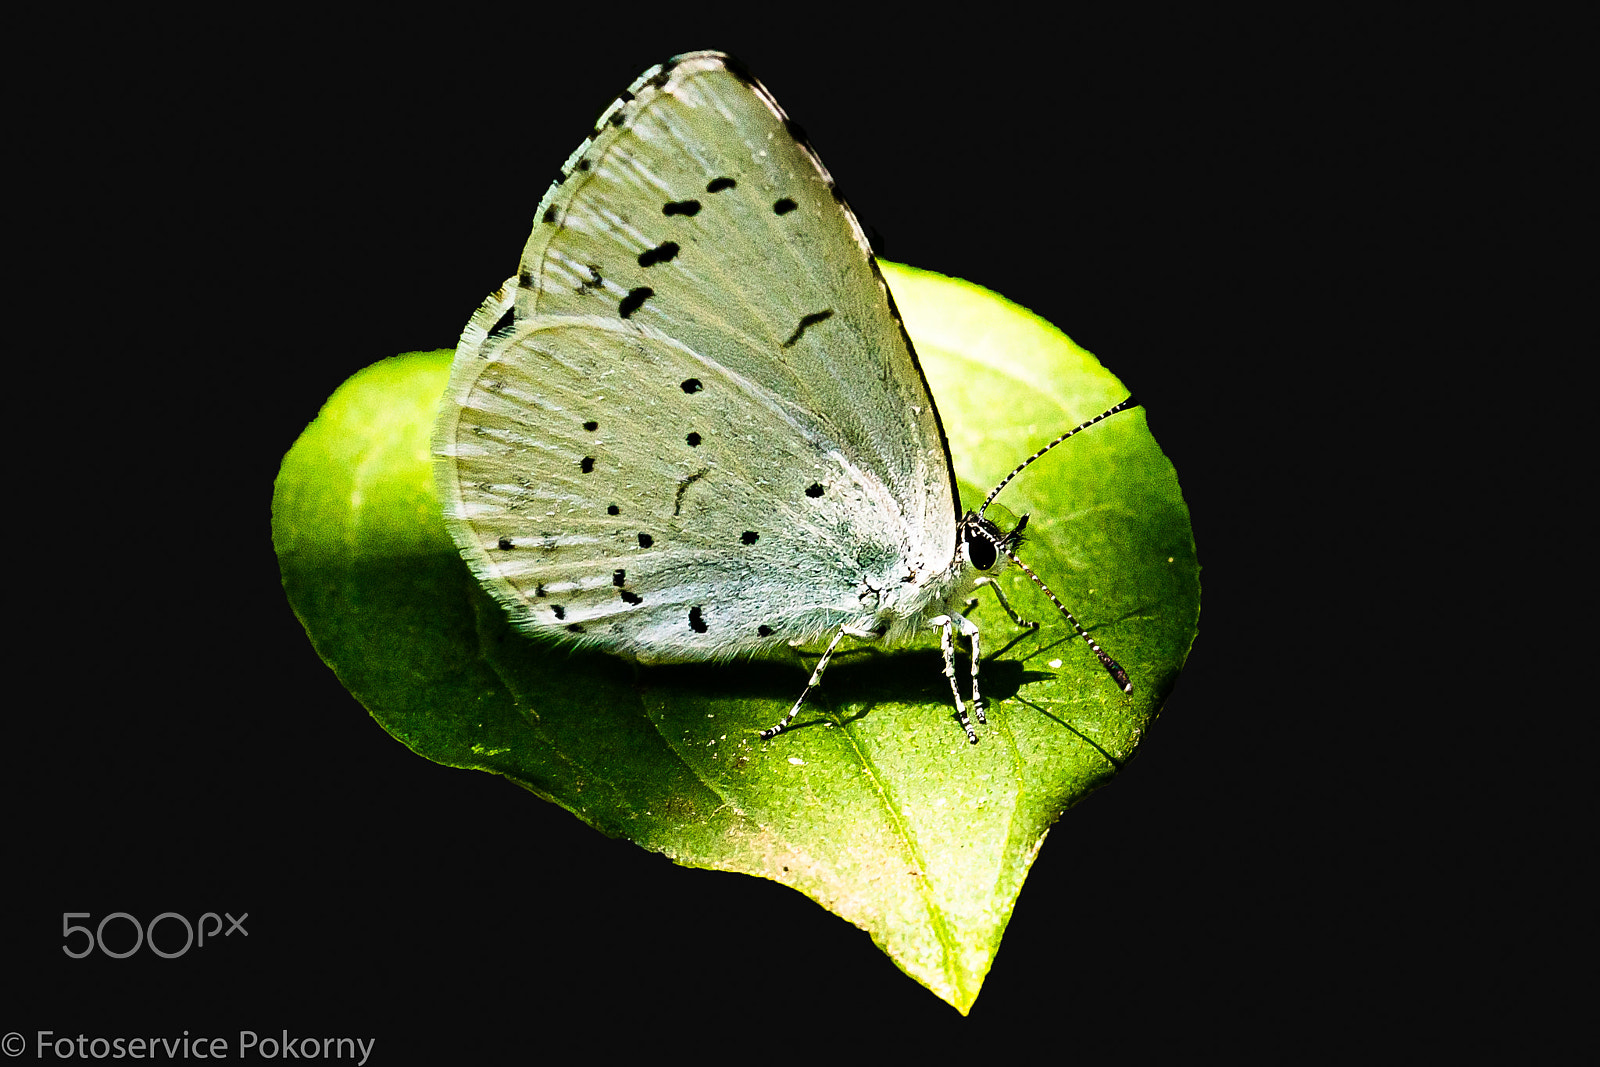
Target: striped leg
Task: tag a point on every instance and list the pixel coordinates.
(970, 629)
(947, 624)
(816, 678)
(1006, 604)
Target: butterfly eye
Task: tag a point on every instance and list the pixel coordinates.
(980, 551)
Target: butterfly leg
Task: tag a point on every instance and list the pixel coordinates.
(947, 624)
(1026, 624)
(1005, 605)
(970, 630)
(816, 678)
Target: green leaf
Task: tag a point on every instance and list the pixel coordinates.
(875, 806)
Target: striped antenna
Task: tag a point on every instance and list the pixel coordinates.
(1106, 414)
(1112, 667)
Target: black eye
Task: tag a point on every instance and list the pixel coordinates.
(980, 550)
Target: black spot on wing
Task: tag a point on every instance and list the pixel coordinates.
(586, 464)
(630, 598)
(691, 385)
(591, 426)
(683, 487)
(505, 544)
(717, 185)
(686, 208)
(634, 300)
(738, 70)
(661, 253)
(504, 322)
(805, 322)
(612, 509)
(697, 621)
(814, 490)
(749, 537)
(645, 540)
(619, 578)
(783, 205)
(764, 630)
(694, 440)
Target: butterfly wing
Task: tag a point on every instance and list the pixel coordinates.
(693, 425)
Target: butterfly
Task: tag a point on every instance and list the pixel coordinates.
(692, 425)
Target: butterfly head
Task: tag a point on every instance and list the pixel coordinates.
(983, 544)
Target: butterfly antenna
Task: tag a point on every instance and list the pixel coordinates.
(1106, 414)
(1112, 667)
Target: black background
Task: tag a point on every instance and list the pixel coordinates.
(1241, 218)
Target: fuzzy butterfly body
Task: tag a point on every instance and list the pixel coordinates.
(692, 426)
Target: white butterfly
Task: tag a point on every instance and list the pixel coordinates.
(692, 426)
